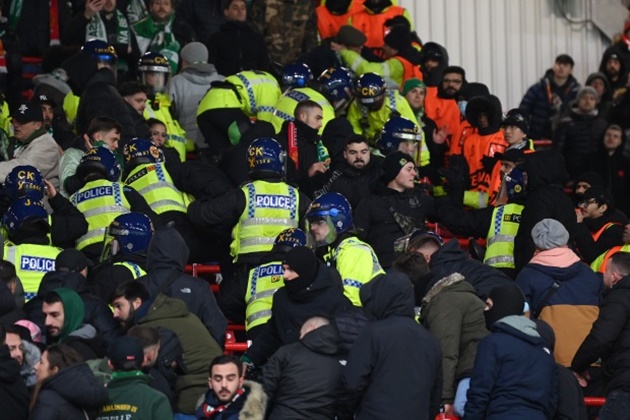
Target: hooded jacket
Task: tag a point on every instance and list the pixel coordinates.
(394, 368)
(324, 296)
(375, 215)
(614, 169)
(99, 97)
(303, 379)
(433, 77)
(572, 309)
(623, 72)
(238, 46)
(166, 259)
(186, 90)
(453, 313)
(609, 339)
(545, 100)
(545, 199)
(198, 345)
(14, 396)
(69, 394)
(577, 138)
(450, 259)
(97, 313)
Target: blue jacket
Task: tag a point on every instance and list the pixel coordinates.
(545, 100)
(514, 376)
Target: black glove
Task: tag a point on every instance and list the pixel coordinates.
(488, 163)
(457, 173)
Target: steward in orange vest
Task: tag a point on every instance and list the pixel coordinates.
(371, 20)
(333, 15)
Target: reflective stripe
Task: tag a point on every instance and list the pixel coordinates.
(391, 93)
(255, 221)
(260, 314)
(500, 238)
(161, 203)
(261, 295)
(92, 234)
(499, 259)
(283, 115)
(256, 241)
(105, 209)
(265, 108)
(356, 63)
(352, 283)
(250, 92)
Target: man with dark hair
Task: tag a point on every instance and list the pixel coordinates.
(548, 100)
(133, 306)
(9, 277)
(24, 351)
(229, 395)
(357, 173)
(102, 131)
(136, 95)
(13, 393)
(65, 312)
(130, 395)
(609, 339)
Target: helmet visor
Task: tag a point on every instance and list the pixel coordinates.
(320, 229)
(408, 136)
(155, 80)
(111, 247)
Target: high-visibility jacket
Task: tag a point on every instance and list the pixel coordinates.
(270, 208)
(5, 117)
(135, 269)
(476, 147)
(71, 108)
(496, 179)
(371, 123)
(500, 239)
(445, 112)
(285, 108)
(154, 183)
(600, 263)
(100, 201)
(395, 70)
(373, 24)
(258, 94)
(357, 265)
(263, 282)
(600, 231)
(328, 24)
(31, 263)
(159, 108)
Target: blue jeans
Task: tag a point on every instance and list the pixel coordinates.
(461, 396)
(617, 406)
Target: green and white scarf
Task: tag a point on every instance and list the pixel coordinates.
(136, 11)
(158, 38)
(95, 29)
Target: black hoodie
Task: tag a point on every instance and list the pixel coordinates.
(303, 379)
(394, 370)
(546, 175)
(491, 106)
(166, 260)
(14, 396)
(623, 72)
(99, 97)
(433, 77)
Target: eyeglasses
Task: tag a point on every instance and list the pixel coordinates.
(585, 203)
(158, 134)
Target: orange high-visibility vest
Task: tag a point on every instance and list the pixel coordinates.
(373, 24)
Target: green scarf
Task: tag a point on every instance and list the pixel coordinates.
(159, 38)
(14, 13)
(95, 29)
(73, 311)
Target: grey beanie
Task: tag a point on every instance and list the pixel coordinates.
(194, 52)
(549, 234)
(587, 90)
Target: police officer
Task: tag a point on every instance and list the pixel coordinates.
(374, 105)
(265, 279)
(104, 55)
(336, 84)
(28, 246)
(224, 113)
(400, 135)
(296, 79)
(124, 254)
(154, 73)
(329, 222)
(66, 223)
(103, 198)
(255, 213)
(497, 224)
(146, 172)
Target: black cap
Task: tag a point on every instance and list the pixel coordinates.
(71, 260)
(126, 349)
(350, 36)
(28, 112)
(598, 193)
(44, 99)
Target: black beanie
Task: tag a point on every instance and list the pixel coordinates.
(398, 38)
(392, 165)
(592, 178)
(304, 262)
(507, 299)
